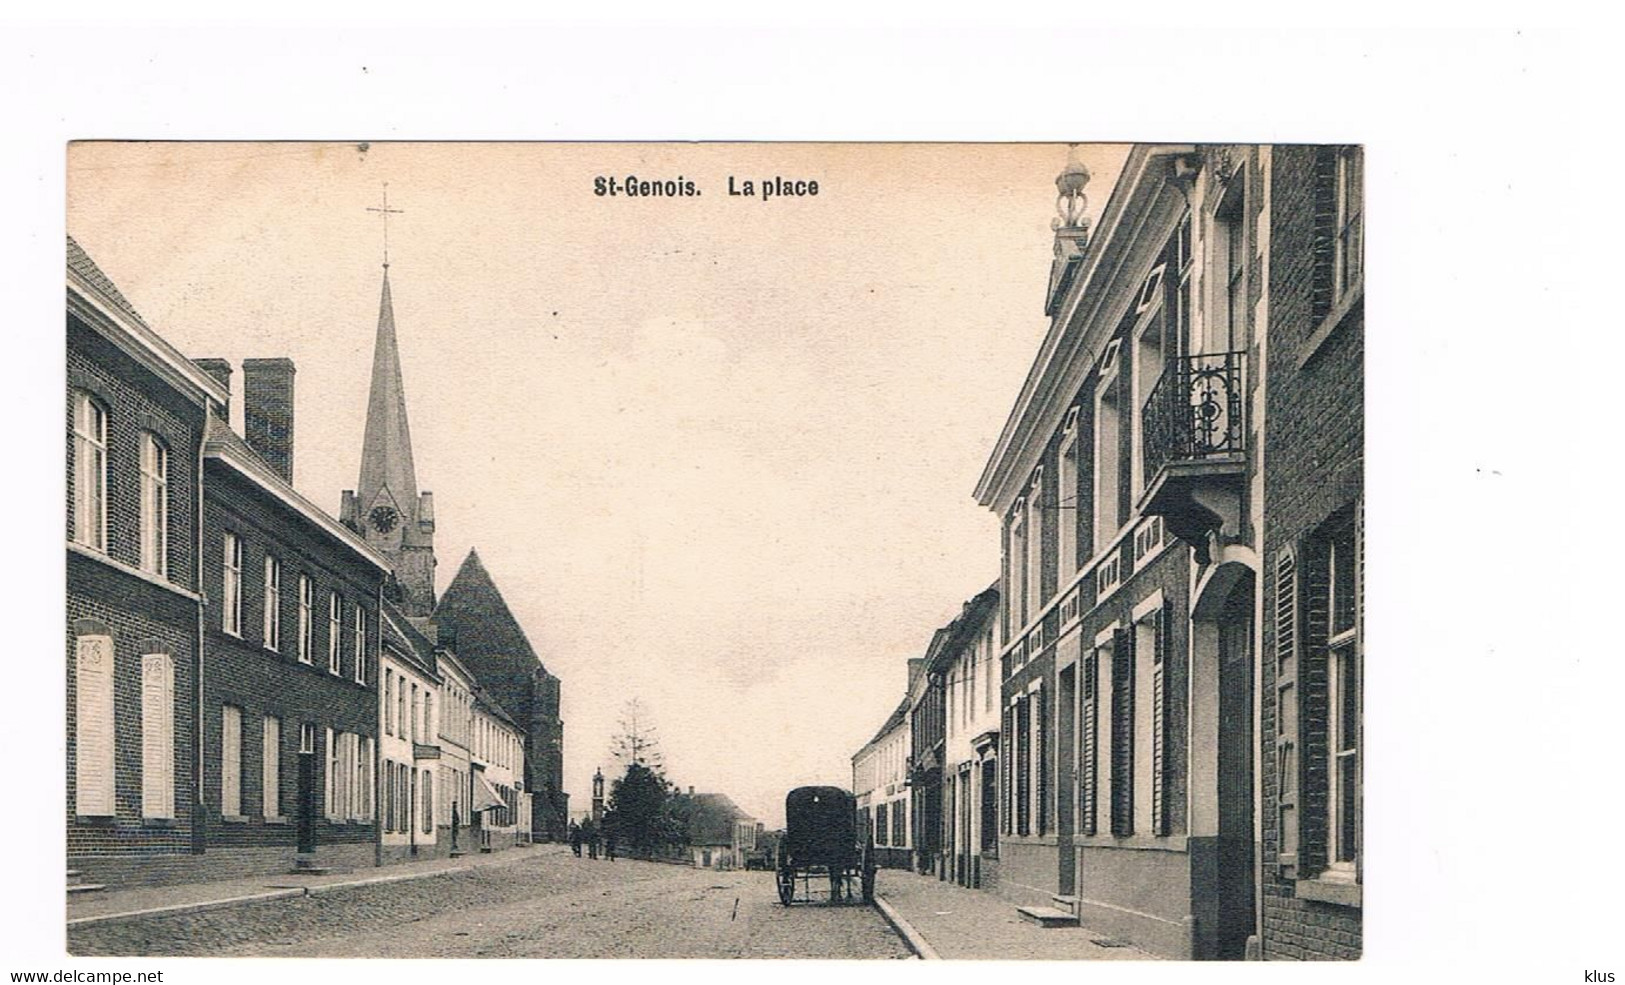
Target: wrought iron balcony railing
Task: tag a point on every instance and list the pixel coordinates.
(1194, 412)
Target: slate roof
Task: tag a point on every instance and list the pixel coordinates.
(483, 626)
(386, 444)
(893, 721)
(80, 263)
(711, 819)
(404, 638)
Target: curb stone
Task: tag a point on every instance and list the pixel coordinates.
(281, 892)
(916, 942)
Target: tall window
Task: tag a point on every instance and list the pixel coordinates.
(231, 589)
(1231, 326)
(412, 728)
(306, 601)
(89, 472)
(1066, 506)
(389, 701)
(1343, 700)
(154, 506)
(360, 642)
(1108, 449)
(1150, 359)
(273, 603)
(1035, 544)
(231, 761)
(1348, 252)
(1016, 605)
(335, 623)
(271, 768)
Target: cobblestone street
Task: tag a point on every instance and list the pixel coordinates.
(545, 905)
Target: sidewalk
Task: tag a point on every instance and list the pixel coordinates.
(973, 923)
(116, 904)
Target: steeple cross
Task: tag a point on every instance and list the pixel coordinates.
(385, 211)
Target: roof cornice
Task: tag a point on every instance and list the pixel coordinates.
(1025, 429)
(256, 471)
(90, 305)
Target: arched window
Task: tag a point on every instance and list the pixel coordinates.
(154, 505)
(89, 472)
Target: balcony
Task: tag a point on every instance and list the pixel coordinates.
(1195, 448)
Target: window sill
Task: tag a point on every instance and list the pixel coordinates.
(158, 822)
(1352, 300)
(233, 819)
(275, 819)
(152, 579)
(1329, 891)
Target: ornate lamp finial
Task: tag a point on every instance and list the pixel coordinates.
(1070, 201)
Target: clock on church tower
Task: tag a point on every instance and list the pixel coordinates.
(383, 518)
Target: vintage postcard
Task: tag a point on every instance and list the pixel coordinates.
(708, 550)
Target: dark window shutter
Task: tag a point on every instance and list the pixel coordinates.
(1091, 747)
(1324, 205)
(1007, 754)
(1123, 732)
(1287, 772)
(1023, 764)
(1314, 713)
(1041, 820)
(1162, 700)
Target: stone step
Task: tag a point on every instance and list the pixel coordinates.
(85, 887)
(1047, 916)
(1067, 903)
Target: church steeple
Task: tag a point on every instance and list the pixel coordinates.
(385, 506)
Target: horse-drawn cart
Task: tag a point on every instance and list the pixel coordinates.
(821, 839)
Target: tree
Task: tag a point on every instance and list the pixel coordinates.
(636, 744)
(641, 802)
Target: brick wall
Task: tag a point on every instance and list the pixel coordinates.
(244, 673)
(1314, 468)
(141, 617)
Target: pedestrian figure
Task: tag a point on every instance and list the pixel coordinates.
(589, 834)
(575, 838)
(609, 840)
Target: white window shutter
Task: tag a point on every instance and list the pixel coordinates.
(94, 727)
(157, 736)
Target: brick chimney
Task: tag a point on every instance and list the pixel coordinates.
(268, 412)
(221, 371)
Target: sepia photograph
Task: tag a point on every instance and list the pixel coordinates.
(715, 550)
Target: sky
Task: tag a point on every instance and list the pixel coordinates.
(717, 451)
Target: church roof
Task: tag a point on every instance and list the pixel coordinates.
(483, 626)
(386, 446)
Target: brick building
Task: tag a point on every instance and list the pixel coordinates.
(1131, 481)
(928, 736)
(1312, 672)
(136, 414)
(967, 661)
(291, 632)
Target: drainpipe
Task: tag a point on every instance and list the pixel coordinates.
(378, 729)
(199, 812)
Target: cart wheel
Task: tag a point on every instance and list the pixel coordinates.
(787, 885)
